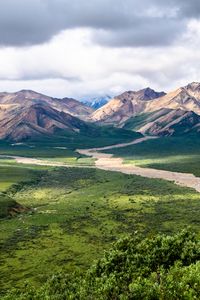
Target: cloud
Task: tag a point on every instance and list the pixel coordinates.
(81, 67)
(117, 23)
(76, 48)
(154, 32)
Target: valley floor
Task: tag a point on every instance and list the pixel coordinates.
(106, 161)
(74, 214)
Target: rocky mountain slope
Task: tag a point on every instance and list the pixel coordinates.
(154, 113)
(27, 98)
(165, 122)
(38, 119)
(27, 115)
(185, 98)
(124, 106)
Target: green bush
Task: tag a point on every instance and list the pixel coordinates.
(160, 267)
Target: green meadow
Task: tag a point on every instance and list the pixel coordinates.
(63, 148)
(75, 214)
(64, 145)
(68, 217)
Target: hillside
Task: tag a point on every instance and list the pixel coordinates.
(154, 113)
(27, 98)
(124, 106)
(155, 267)
(165, 122)
(36, 120)
(27, 115)
(185, 98)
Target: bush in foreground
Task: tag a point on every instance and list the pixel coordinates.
(159, 267)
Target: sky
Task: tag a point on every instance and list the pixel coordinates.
(78, 48)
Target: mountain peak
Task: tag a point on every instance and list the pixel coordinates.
(150, 94)
(193, 86)
(26, 91)
(144, 94)
(30, 94)
(124, 106)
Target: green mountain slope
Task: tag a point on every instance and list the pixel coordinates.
(165, 122)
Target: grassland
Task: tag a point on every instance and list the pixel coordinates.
(181, 154)
(95, 137)
(75, 214)
(62, 149)
(50, 154)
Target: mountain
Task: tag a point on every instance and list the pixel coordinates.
(27, 115)
(28, 98)
(185, 98)
(36, 120)
(124, 106)
(150, 112)
(30, 116)
(143, 95)
(165, 122)
(97, 102)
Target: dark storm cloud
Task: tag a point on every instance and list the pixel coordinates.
(154, 32)
(118, 22)
(186, 8)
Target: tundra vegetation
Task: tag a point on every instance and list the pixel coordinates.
(55, 222)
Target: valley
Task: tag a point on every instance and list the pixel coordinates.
(73, 180)
(74, 214)
(177, 154)
(106, 161)
(94, 157)
(99, 150)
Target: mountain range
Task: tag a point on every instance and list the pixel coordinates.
(27, 114)
(153, 112)
(27, 98)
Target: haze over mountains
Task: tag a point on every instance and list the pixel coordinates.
(96, 102)
(26, 114)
